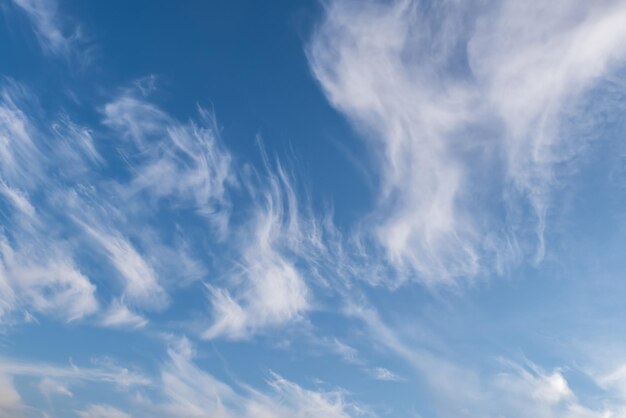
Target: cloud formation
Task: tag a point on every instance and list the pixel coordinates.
(470, 116)
(273, 288)
(55, 35)
(181, 389)
(122, 219)
(37, 271)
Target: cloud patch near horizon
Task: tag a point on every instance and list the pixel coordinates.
(180, 388)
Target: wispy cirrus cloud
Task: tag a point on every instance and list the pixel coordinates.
(55, 35)
(358, 56)
(518, 388)
(118, 315)
(381, 373)
(185, 163)
(168, 168)
(49, 286)
(276, 250)
(10, 399)
(102, 411)
(307, 403)
(536, 80)
(38, 270)
(213, 398)
(50, 387)
(445, 95)
(106, 372)
(140, 281)
(474, 113)
(180, 388)
(53, 193)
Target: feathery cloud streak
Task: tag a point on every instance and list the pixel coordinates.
(451, 98)
(55, 35)
(181, 389)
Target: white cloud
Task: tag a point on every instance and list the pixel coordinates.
(179, 263)
(524, 383)
(201, 170)
(533, 75)
(270, 289)
(10, 400)
(357, 54)
(171, 166)
(192, 392)
(513, 389)
(47, 24)
(102, 411)
(56, 381)
(229, 317)
(381, 373)
(291, 400)
(347, 353)
(105, 372)
(447, 379)
(141, 283)
(181, 389)
(52, 190)
(119, 316)
(50, 387)
(184, 163)
(195, 393)
(18, 199)
(38, 272)
(75, 146)
(135, 118)
(469, 113)
(20, 157)
(48, 283)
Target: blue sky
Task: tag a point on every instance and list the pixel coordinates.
(312, 209)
